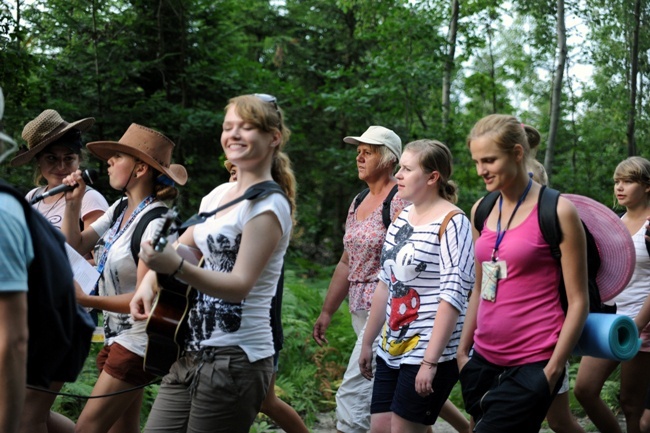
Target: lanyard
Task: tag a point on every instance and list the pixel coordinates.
(501, 234)
(113, 233)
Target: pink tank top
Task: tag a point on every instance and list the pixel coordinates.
(523, 324)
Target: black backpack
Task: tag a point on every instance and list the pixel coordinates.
(385, 210)
(60, 330)
(550, 228)
(142, 225)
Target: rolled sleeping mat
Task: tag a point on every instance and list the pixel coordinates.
(609, 336)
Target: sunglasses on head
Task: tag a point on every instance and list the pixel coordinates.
(265, 97)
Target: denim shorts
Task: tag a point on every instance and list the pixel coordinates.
(394, 391)
(506, 399)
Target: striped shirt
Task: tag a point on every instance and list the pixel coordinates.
(420, 270)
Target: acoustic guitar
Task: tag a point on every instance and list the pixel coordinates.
(167, 323)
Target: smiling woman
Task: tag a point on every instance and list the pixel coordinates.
(506, 336)
(219, 383)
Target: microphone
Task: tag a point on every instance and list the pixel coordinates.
(89, 176)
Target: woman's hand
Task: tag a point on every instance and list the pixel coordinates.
(365, 361)
(81, 296)
(142, 300)
(424, 379)
(74, 179)
(165, 262)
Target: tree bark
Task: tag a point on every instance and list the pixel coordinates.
(449, 67)
(634, 57)
(556, 96)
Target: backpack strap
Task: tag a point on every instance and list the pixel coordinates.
(118, 209)
(549, 223)
(385, 207)
(385, 210)
(448, 217)
(142, 225)
(484, 208)
(359, 198)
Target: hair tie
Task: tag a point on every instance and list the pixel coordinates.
(165, 180)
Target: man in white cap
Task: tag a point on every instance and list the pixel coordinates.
(16, 244)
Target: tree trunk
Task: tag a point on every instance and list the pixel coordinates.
(556, 96)
(449, 67)
(634, 57)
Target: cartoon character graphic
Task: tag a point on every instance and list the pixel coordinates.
(399, 261)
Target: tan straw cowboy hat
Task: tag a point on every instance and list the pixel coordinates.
(145, 144)
(48, 127)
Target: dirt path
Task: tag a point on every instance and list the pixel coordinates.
(327, 424)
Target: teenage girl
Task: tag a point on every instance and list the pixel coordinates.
(421, 298)
(632, 191)
(139, 165)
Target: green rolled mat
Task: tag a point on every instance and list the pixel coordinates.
(610, 336)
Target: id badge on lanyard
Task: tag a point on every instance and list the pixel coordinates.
(493, 271)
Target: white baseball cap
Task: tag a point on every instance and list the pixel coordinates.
(379, 136)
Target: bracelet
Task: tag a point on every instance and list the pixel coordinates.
(180, 267)
(430, 364)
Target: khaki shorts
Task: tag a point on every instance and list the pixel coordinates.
(218, 393)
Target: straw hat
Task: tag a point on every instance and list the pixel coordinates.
(48, 127)
(615, 246)
(145, 144)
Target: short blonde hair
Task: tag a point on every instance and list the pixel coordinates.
(634, 169)
(538, 171)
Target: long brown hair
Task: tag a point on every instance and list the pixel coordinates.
(268, 117)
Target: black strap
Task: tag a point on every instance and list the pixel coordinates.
(549, 223)
(259, 190)
(385, 209)
(118, 209)
(484, 208)
(142, 225)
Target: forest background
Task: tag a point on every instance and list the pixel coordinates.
(424, 68)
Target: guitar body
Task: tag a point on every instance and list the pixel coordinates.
(167, 325)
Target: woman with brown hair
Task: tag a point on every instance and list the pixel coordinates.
(139, 165)
(55, 147)
(220, 381)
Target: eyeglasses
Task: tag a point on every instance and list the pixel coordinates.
(265, 97)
